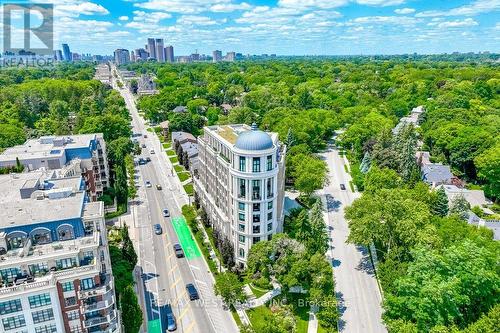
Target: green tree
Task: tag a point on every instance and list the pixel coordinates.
(128, 251)
(318, 240)
(440, 206)
(459, 206)
(310, 174)
(381, 178)
(131, 312)
(229, 287)
(488, 166)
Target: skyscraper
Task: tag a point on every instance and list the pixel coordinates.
(141, 55)
(67, 52)
(122, 57)
(230, 56)
(152, 48)
(169, 53)
(217, 55)
(160, 55)
(58, 56)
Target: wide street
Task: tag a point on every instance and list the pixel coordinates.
(355, 283)
(165, 276)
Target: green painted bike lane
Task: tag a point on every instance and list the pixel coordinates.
(154, 326)
(187, 242)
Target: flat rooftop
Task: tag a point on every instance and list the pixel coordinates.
(230, 133)
(61, 200)
(45, 146)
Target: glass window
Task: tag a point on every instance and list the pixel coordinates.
(41, 236)
(241, 227)
(42, 315)
(16, 240)
(269, 237)
(46, 329)
(269, 227)
(241, 205)
(269, 216)
(256, 229)
(9, 273)
(69, 301)
(269, 187)
(38, 269)
(256, 240)
(270, 205)
(13, 322)
(242, 239)
(256, 218)
(241, 216)
(37, 301)
(242, 253)
(256, 164)
(65, 232)
(242, 163)
(242, 188)
(87, 283)
(72, 315)
(269, 162)
(256, 189)
(10, 306)
(68, 286)
(256, 207)
(66, 263)
(88, 255)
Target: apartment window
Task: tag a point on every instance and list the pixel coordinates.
(13, 322)
(69, 301)
(269, 187)
(270, 205)
(72, 315)
(256, 164)
(10, 306)
(241, 216)
(256, 207)
(242, 239)
(256, 229)
(269, 227)
(9, 273)
(242, 163)
(39, 300)
(65, 263)
(42, 315)
(269, 237)
(256, 240)
(256, 218)
(269, 162)
(87, 283)
(256, 189)
(241, 227)
(242, 188)
(68, 286)
(241, 206)
(269, 216)
(46, 329)
(38, 269)
(88, 255)
(241, 253)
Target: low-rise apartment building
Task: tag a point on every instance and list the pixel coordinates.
(240, 184)
(66, 156)
(55, 269)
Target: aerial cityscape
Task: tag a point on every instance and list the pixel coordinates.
(259, 166)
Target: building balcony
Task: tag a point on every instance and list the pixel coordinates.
(107, 302)
(113, 328)
(99, 289)
(99, 320)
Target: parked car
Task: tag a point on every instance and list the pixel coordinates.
(152, 151)
(148, 159)
(142, 161)
(171, 322)
(192, 292)
(166, 213)
(143, 145)
(179, 253)
(145, 136)
(148, 183)
(158, 229)
(158, 187)
(342, 187)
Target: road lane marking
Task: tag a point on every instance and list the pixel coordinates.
(180, 296)
(190, 327)
(195, 267)
(175, 283)
(184, 312)
(171, 270)
(200, 282)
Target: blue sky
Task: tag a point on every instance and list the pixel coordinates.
(285, 27)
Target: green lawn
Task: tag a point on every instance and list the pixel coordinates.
(183, 176)
(189, 189)
(170, 152)
(257, 291)
(174, 159)
(235, 316)
(167, 145)
(178, 168)
(149, 129)
(258, 316)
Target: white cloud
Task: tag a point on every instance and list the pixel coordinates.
(404, 11)
(475, 8)
(123, 18)
(196, 20)
(304, 4)
(382, 3)
(468, 22)
(83, 8)
(394, 20)
(229, 7)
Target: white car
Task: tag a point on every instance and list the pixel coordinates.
(148, 183)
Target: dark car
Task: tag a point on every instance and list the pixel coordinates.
(157, 229)
(142, 161)
(179, 253)
(192, 292)
(148, 159)
(143, 145)
(158, 187)
(171, 322)
(166, 213)
(342, 187)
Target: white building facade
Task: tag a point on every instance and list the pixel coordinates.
(240, 184)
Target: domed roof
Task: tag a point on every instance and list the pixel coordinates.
(254, 140)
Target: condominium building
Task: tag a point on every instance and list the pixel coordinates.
(216, 56)
(67, 52)
(65, 156)
(240, 183)
(141, 55)
(151, 47)
(55, 269)
(160, 53)
(122, 56)
(169, 53)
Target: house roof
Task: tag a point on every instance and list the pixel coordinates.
(434, 173)
(180, 109)
(183, 137)
(474, 197)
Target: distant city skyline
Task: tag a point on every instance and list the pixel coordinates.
(284, 27)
